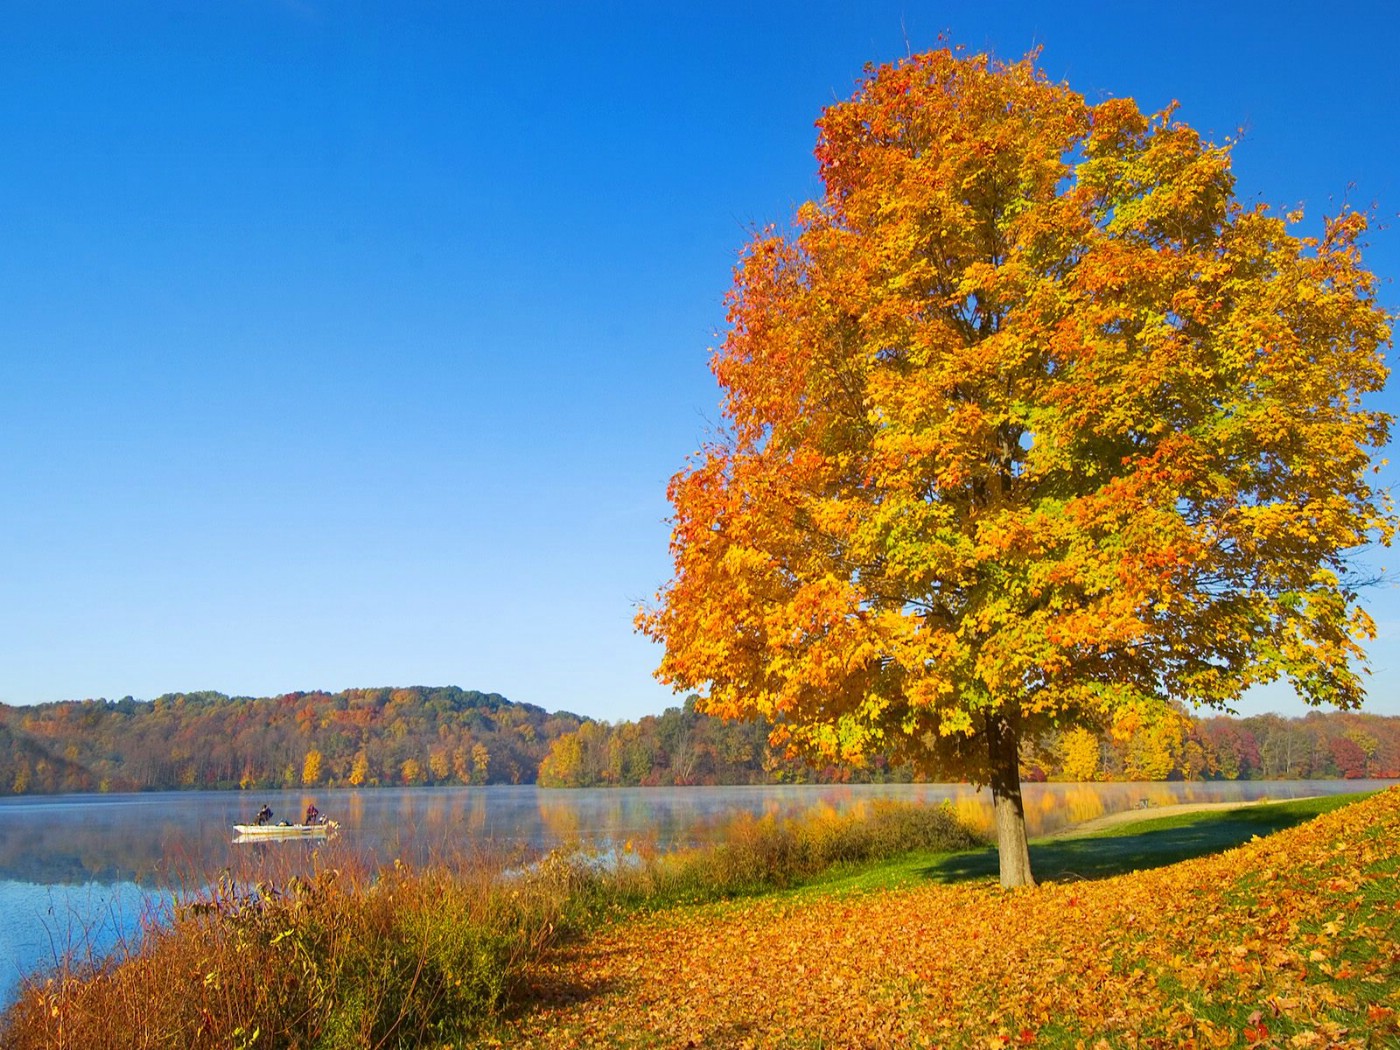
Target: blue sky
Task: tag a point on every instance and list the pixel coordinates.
(349, 344)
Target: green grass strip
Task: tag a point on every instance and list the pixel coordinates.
(1137, 845)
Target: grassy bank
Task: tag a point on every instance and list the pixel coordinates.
(1137, 845)
(420, 957)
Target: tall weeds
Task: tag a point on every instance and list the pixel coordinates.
(409, 957)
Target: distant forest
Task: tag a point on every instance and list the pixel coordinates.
(419, 736)
(355, 738)
(685, 747)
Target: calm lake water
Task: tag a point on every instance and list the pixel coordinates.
(80, 872)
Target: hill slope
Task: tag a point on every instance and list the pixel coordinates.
(417, 735)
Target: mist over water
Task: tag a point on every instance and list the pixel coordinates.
(79, 873)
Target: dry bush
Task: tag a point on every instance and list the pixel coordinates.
(338, 959)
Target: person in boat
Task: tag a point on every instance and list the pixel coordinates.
(313, 815)
(264, 815)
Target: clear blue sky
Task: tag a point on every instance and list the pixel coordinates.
(348, 344)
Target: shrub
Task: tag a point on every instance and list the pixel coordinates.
(333, 961)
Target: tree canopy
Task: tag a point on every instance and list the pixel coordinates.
(1029, 422)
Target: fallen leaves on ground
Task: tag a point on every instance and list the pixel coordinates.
(1290, 941)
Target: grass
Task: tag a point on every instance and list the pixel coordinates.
(1142, 844)
(1138, 845)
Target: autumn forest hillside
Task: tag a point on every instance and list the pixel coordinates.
(357, 737)
(424, 736)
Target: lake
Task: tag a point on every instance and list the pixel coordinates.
(79, 872)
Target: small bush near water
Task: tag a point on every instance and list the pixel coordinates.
(414, 957)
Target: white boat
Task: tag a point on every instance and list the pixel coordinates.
(285, 831)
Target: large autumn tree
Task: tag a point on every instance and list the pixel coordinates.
(1028, 424)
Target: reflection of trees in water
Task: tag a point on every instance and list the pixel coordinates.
(69, 851)
(436, 815)
(45, 854)
(559, 817)
(436, 825)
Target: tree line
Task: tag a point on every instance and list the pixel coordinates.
(353, 738)
(450, 736)
(684, 746)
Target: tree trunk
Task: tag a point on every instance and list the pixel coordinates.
(1003, 742)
